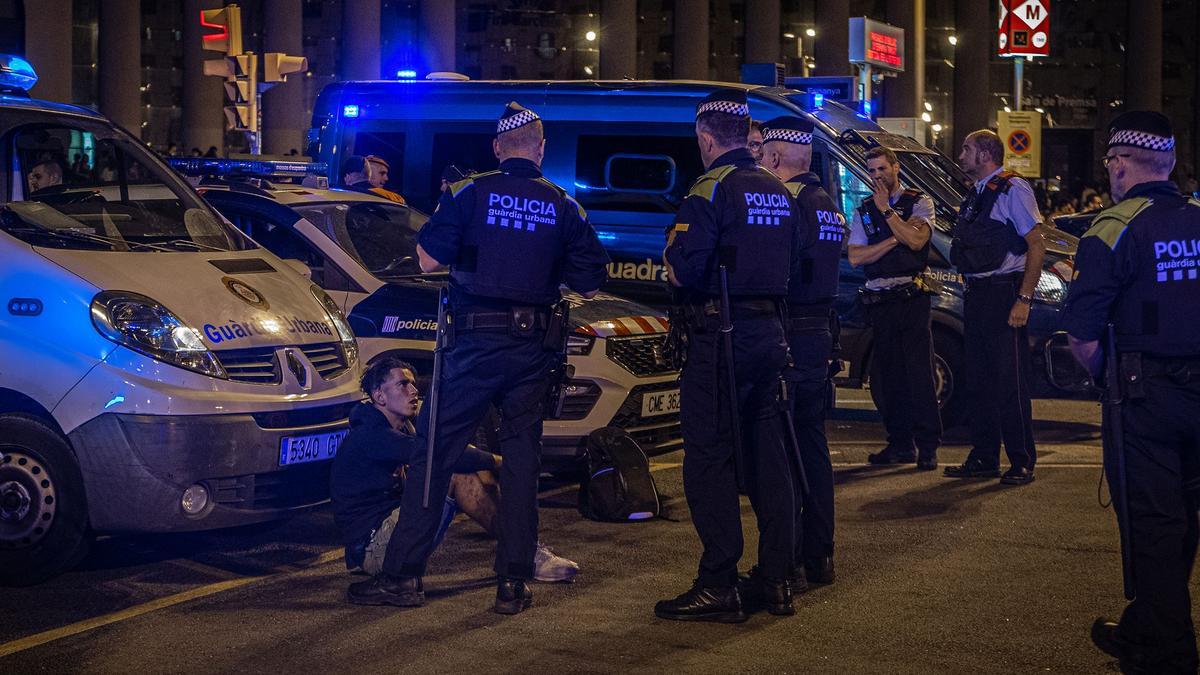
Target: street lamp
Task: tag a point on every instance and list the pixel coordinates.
(953, 39)
(810, 32)
(590, 36)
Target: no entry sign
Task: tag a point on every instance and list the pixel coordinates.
(1021, 133)
(1024, 28)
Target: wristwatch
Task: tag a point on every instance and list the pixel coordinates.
(1027, 299)
(889, 213)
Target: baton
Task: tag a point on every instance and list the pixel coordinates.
(735, 420)
(439, 346)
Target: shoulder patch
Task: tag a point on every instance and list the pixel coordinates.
(795, 188)
(456, 188)
(913, 192)
(578, 206)
(1112, 222)
(706, 185)
(549, 183)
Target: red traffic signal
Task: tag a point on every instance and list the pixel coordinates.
(222, 29)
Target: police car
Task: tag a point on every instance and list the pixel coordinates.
(361, 248)
(159, 371)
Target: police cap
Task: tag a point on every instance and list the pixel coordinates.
(1142, 129)
(789, 129)
(727, 101)
(515, 116)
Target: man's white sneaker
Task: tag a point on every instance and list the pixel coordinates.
(551, 568)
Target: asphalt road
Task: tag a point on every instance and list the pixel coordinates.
(934, 575)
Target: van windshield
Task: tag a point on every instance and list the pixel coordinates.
(381, 236)
(937, 175)
(89, 187)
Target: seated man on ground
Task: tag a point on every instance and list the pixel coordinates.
(368, 471)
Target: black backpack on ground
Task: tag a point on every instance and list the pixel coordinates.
(618, 486)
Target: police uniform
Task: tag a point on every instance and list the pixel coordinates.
(739, 216)
(510, 238)
(989, 249)
(898, 310)
(812, 290)
(1138, 269)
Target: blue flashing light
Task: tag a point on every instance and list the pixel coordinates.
(606, 236)
(818, 100)
(350, 110)
(406, 74)
(16, 73)
(867, 108)
(205, 166)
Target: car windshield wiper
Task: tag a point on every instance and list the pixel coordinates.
(72, 235)
(195, 245)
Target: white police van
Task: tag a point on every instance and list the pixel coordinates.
(159, 371)
(361, 248)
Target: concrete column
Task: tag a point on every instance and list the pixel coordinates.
(48, 47)
(832, 48)
(691, 40)
(763, 33)
(904, 95)
(203, 96)
(618, 39)
(972, 55)
(285, 110)
(360, 38)
(1143, 60)
(438, 36)
(120, 63)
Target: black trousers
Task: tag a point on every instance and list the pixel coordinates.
(482, 369)
(809, 391)
(997, 373)
(709, 483)
(1162, 462)
(902, 373)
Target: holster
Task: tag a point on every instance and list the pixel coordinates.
(897, 294)
(1132, 378)
(674, 349)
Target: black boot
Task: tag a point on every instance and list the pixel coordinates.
(819, 570)
(773, 595)
(892, 455)
(512, 596)
(973, 468)
(927, 460)
(719, 604)
(385, 589)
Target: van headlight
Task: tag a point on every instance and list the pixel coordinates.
(145, 326)
(349, 346)
(1050, 289)
(580, 345)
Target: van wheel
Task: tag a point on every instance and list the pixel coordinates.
(43, 511)
(948, 376)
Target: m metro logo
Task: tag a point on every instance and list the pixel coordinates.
(1024, 28)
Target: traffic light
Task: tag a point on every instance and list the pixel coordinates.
(222, 29)
(276, 66)
(241, 75)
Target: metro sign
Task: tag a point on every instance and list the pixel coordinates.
(1024, 28)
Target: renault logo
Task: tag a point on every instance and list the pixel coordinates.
(297, 367)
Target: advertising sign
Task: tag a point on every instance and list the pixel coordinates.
(876, 44)
(1021, 133)
(1024, 28)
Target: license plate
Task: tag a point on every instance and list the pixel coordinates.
(314, 448)
(660, 403)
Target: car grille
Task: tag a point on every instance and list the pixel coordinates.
(259, 365)
(303, 417)
(654, 434)
(293, 487)
(328, 358)
(641, 355)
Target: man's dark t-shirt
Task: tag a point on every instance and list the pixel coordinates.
(364, 485)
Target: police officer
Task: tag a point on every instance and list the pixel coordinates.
(999, 250)
(509, 237)
(812, 289)
(1137, 270)
(741, 219)
(889, 236)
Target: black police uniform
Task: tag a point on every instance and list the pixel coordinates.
(510, 238)
(996, 354)
(812, 290)
(902, 345)
(1138, 268)
(739, 215)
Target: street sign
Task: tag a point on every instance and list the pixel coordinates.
(1021, 133)
(1024, 28)
(877, 44)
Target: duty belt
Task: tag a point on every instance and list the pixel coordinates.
(1180, 369)
(537, 319)
(744, 307)
(808, 324)
(895, 294)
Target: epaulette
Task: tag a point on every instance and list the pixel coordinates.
(1111, 223)
(562, 194)
(1002, 181)
(461, 185)
(913, 192)
(706, 185)
(795, 188)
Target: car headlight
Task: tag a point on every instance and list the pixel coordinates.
(580, 345)
(1050, 289)
(145, 326)
(349, 346)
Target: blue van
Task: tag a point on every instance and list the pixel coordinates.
(628, 153)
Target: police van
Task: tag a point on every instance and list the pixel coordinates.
(361, 248)
(627, 152)
(159, 371)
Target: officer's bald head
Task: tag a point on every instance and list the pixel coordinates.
(525, 142)
(787, 160)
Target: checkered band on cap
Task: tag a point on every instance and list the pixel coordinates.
(727, 107)
(1141, 139)
(787, 136)
(516, 121)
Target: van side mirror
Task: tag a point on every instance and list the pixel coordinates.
(1062, 370)
(299, 267)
